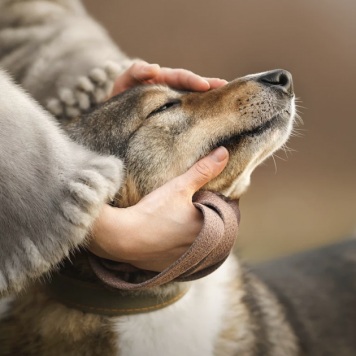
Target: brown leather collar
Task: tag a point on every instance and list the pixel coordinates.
(96, 299)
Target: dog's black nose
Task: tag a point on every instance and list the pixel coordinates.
(278, 78)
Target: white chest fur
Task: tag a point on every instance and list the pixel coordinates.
(189, 327)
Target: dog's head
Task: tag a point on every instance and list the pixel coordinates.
(160, 132)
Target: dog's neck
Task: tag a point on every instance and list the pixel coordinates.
(77, 287)
(97, 299)
(79, 268)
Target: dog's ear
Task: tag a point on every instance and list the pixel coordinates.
(129, 194)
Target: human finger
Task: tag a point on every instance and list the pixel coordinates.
(139, 73)
(216, 82)
(181, 79)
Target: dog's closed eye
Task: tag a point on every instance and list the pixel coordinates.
(164, 107)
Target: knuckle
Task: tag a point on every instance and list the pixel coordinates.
(203, 170)
(136, 66)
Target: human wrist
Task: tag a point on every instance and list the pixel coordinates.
(112, 234)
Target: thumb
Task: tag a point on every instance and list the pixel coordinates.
(204, 170)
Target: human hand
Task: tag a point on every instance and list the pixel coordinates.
(143, 73)
(155, 232)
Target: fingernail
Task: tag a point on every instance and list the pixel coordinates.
(205, 81)
(148, 68)
(219, 154)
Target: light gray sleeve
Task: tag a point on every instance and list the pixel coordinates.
(59, 54)
(51, 189)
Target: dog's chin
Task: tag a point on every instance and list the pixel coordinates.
(247, 150)
(253, 132)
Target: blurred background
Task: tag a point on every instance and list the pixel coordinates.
(309, 200)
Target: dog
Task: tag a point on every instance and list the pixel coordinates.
(303, 305)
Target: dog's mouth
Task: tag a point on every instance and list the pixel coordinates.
(254, 132)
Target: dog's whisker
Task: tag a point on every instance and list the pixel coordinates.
(281, 158)
(275, 164)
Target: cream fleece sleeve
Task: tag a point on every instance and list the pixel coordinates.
(51, 189)
(59, 54)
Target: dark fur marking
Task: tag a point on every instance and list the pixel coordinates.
(318, 290)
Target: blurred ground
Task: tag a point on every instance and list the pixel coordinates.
(311, 199)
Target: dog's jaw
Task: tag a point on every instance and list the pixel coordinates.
(278, 139)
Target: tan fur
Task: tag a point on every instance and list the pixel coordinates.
(40, 326)
(129, 194)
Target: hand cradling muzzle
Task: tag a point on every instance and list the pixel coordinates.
(207, 253)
